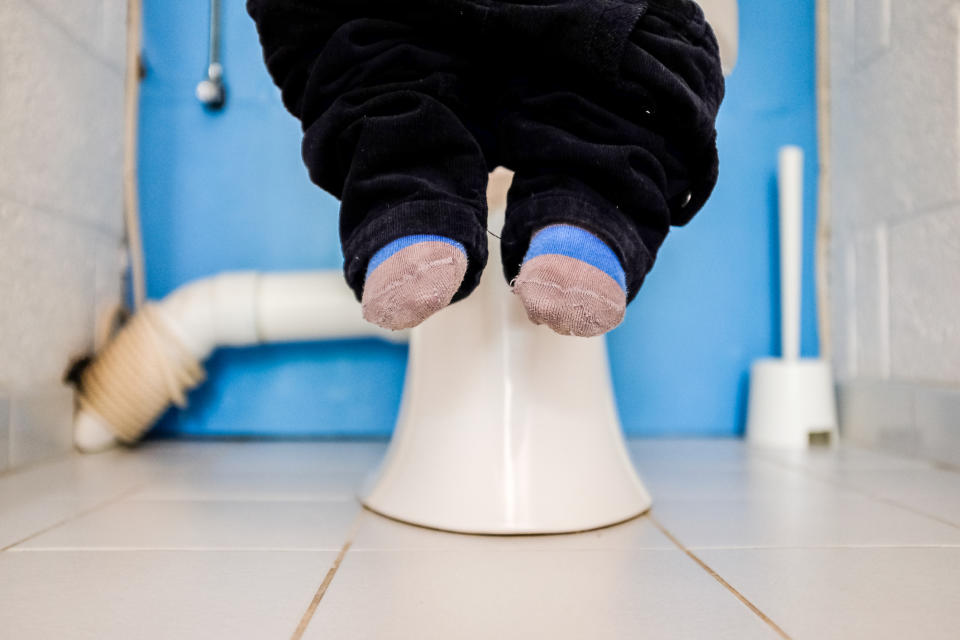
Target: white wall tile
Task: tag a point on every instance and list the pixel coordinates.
(113, 31)
(896, 123)
(879, 413)
(47, 281)
(895, 202)
(842, 38)
(842, 25)
(96, 25)
(109, 264)
(871, 300)
(872, 36)
(926, 89)
(925, 297)
(843, 307)
(938, 423)
(41, 424)
(61, 120)
(4, 431)
(61, 123)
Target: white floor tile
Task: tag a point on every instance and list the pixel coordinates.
(378, 532)
(801, 519)
(76, 477)
(41, 496)
(928, 490)
(199, 483)
(823, 594)
(917, 484)
(206, 525)
(232, 539)
(719, 453)
(157, 594)
(529, 594)
(21, 520)
(267, 457)
(756, 480)
(844, 456)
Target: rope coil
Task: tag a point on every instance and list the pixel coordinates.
(143, 370)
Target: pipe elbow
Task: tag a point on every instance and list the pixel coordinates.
(158, 355)
(211, 312)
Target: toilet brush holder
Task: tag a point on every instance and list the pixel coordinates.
(792, 402)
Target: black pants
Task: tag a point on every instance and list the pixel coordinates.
(605, 110)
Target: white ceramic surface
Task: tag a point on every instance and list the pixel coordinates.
(505, 427)
(789, 401)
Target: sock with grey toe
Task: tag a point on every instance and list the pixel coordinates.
(571, 281)
(410, 279)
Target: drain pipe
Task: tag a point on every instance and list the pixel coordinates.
(157, 356)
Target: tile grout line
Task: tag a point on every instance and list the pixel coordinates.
(34, 464)
(79, 514)
(833, 481)
(894, 503)
(159, 549)
(716, 576)
(322, 589)
(72, 217)
(86, 47)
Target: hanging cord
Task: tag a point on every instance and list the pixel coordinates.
(138, 375)
(131, 197)
(824, 213)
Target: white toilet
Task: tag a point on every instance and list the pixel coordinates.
(505, 426)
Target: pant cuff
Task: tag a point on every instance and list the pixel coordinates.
(456, 221)
(583, 210)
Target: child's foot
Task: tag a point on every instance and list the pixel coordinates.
(572, 282)
(412, 278)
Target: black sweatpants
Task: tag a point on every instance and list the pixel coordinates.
(604, 109)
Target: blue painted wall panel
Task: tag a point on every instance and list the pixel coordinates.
(228, 191)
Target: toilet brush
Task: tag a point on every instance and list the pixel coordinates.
(792, 402)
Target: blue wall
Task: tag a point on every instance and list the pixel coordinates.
(228, 191)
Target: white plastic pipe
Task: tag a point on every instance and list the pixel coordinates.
(246, 308)
(239, 309)
(791, 247)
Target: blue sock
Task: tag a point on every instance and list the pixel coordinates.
(574, 242)
(402, 243)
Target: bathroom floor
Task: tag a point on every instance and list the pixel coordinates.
(265, 540)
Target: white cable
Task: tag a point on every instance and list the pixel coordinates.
(824, 213)
(131, 198)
